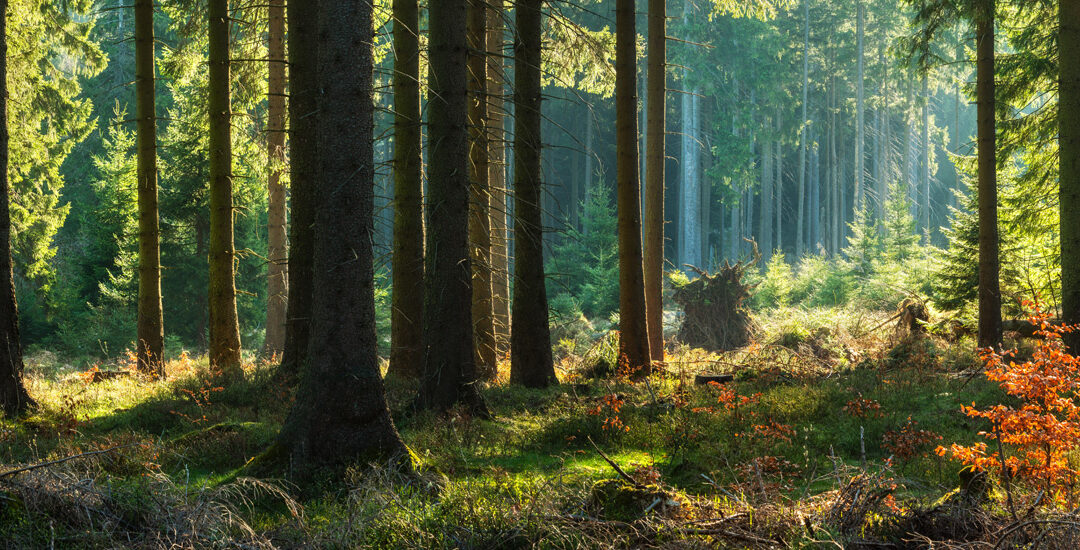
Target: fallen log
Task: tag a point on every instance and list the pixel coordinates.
(702, 379)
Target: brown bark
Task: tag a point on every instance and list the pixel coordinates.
(634, 354)
(277, 287)
(530, 345)
(449, 366)
(303, 131)
(483, 313)
(407, 300)
(654, 176)
(150, 332)
(500, 265)
(989, 261)
(13, 396)
(1069, 154)
(341, 416)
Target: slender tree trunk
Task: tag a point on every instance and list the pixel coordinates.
(340, 416)
(483, 312)
(634, 355)
(800, 242)
(690, 203)
(224, 325)
(150, 347)
(778, 187)
(407, 299)
(989, 261)
(654, 175)
(766, 199)
(530, 340)
(449, 364)
(500, 266)
(13, 396)
(303, 133)
(1069, 154)
(277, 254)
(860, 130)
(924, 166)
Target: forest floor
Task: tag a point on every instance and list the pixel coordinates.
(826, 434)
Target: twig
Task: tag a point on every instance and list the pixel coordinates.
(618, 470)
(65, 459)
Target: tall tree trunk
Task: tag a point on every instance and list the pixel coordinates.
(224, 325)
(836, 209)
(634, 355)
(860, 130)
(530, 340)
(340, 416)
(303, 133)
(277, 255)
(690, 197)
(13, 396)
(500, 265)
(778, 187)
(989, 262)
(407, 298)
(766, 199)
(800, 242)
(150, 346)
(1069, 154)
(483, 312)
(449, 364)
(654, 175)
(924, 165)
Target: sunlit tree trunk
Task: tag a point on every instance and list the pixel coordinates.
(924, 165)
(690, 192)
(224, 325)
(1069, 151)
(500, 266)
(277, 255)
(654, 175)
(989, 261)
(800, 235)
(150, 347)
(860, 130)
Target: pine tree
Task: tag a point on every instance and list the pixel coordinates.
(277, 288)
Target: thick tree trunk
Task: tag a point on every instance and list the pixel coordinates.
(634, 356)
(860, 130)
(13, 396)
(800, 242)
(1069, 151)
(989, 262)
(500, 264)
(483, 312)
(277, 295)
(150, 333)
(224, 325)
(654, 175)
(530, 341)
(340, 416)
(449, 365)
(407, 298)
(303, 132)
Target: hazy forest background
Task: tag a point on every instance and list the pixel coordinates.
(582, 274)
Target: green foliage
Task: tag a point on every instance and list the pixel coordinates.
(586, 263)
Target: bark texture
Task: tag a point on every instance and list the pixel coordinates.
(500, 264)
(531, 363)
(277, 283)
(989, 262)
(654, 176)
(1069, 151)
(224, 325)
(407, 299)
(150, 331)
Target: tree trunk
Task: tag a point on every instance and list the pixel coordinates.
(1069, 154)
(989, 262)
(924, 165)
(766, 200)
(530, 341)
(224, 325)
(340, 416)
(800, 242)
(654, 175)
(13, 396)
(277, 295)
(449, 365)
(634, 355)
(860, 130)
(303, 133)
(778, 188)
(150, 346)
(500, 265)
(690, 203)
(407, 298)
(483, 312)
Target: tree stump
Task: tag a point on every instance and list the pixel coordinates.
(715, 318)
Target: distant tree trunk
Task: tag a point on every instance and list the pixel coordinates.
(224, 325)
(634, 355)
(277, 253)
(766, 199)
(407, 298)
(924, 166)
(800, 242)
(706, 209)
(500, 265)
(836, 209)
(303, 133)
(860, 130)
(590, 155)
(483, 312)
(654, 175)
(690, 201)
(13, 396)
(1069, 153)
(449, 364)
(530, 340)
(989, 262)
(340, 416)
(778, 187)
(150, 346)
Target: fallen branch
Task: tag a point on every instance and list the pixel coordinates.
(60, 460)
(618, 470)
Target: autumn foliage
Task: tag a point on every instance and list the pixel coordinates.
(1032, 441)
